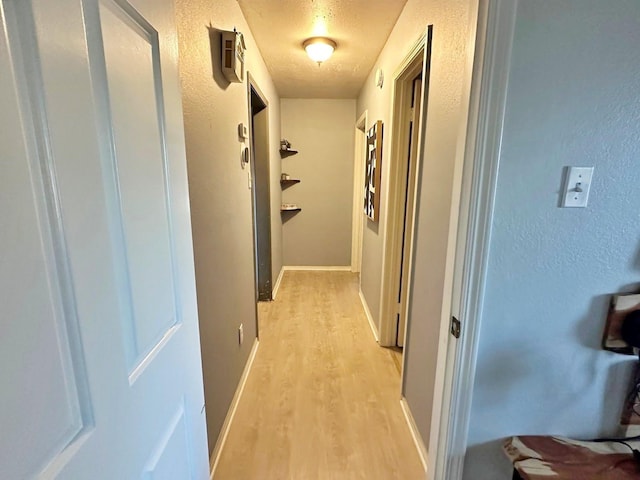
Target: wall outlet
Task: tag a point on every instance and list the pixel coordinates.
(240, 334)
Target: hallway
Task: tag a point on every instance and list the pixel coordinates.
(322, 398)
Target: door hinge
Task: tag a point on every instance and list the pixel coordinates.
(456, 327)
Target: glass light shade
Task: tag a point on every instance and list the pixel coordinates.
(319, 49)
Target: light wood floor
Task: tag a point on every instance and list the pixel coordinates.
(322, 400)
(396, 355)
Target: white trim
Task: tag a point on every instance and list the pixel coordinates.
(415, 434)
(494, 40)
(357, 215)
(367, 313)
(226, 426)
(328, 268)
(391, 241)
(276, 286)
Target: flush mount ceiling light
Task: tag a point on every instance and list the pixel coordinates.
(319, 49)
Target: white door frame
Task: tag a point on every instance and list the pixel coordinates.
(357, 216)
(394, 204)
(477, 180)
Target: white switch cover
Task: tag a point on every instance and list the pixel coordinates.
(577, 186)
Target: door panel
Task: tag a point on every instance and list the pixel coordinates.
(39, 328)
(99, 357)
(170, 459)
(133, 71)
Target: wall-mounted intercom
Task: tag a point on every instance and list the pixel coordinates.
(233, 49)
(244, 156)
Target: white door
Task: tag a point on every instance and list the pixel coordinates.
(100, 372)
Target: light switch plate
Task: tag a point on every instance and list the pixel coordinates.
(577, 186)
(243, 131)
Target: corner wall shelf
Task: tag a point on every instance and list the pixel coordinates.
(287, 152)
(288, 210)
(288, 182)
(289, 207)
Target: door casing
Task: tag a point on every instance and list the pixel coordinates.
(415, 62)
(357, 219)
(260, 188)
(475, 187)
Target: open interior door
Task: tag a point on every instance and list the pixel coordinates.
(100, 368)
(408, 211)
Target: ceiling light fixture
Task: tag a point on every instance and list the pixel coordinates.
(319, 49)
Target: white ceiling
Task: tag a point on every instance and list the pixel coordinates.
(359, 27)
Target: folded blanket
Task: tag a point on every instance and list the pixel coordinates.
(558, 458)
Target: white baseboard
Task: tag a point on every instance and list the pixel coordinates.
(276, 286)
(417, 438)
(339, 268)
(222, 437)
(367, 312)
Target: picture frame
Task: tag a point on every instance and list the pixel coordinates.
(373, 171)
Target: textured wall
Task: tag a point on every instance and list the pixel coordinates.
(573, 99)
(220, 197)
(322, 131)
(452, 23)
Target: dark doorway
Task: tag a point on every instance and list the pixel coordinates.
(261, 175)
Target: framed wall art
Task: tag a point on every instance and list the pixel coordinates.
(373, 172)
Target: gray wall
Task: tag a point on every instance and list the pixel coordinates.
(453, 22)
(573, 99)
(220, 197)
(322, 130)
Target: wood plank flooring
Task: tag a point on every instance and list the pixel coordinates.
(322, 400)
(396, 355)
